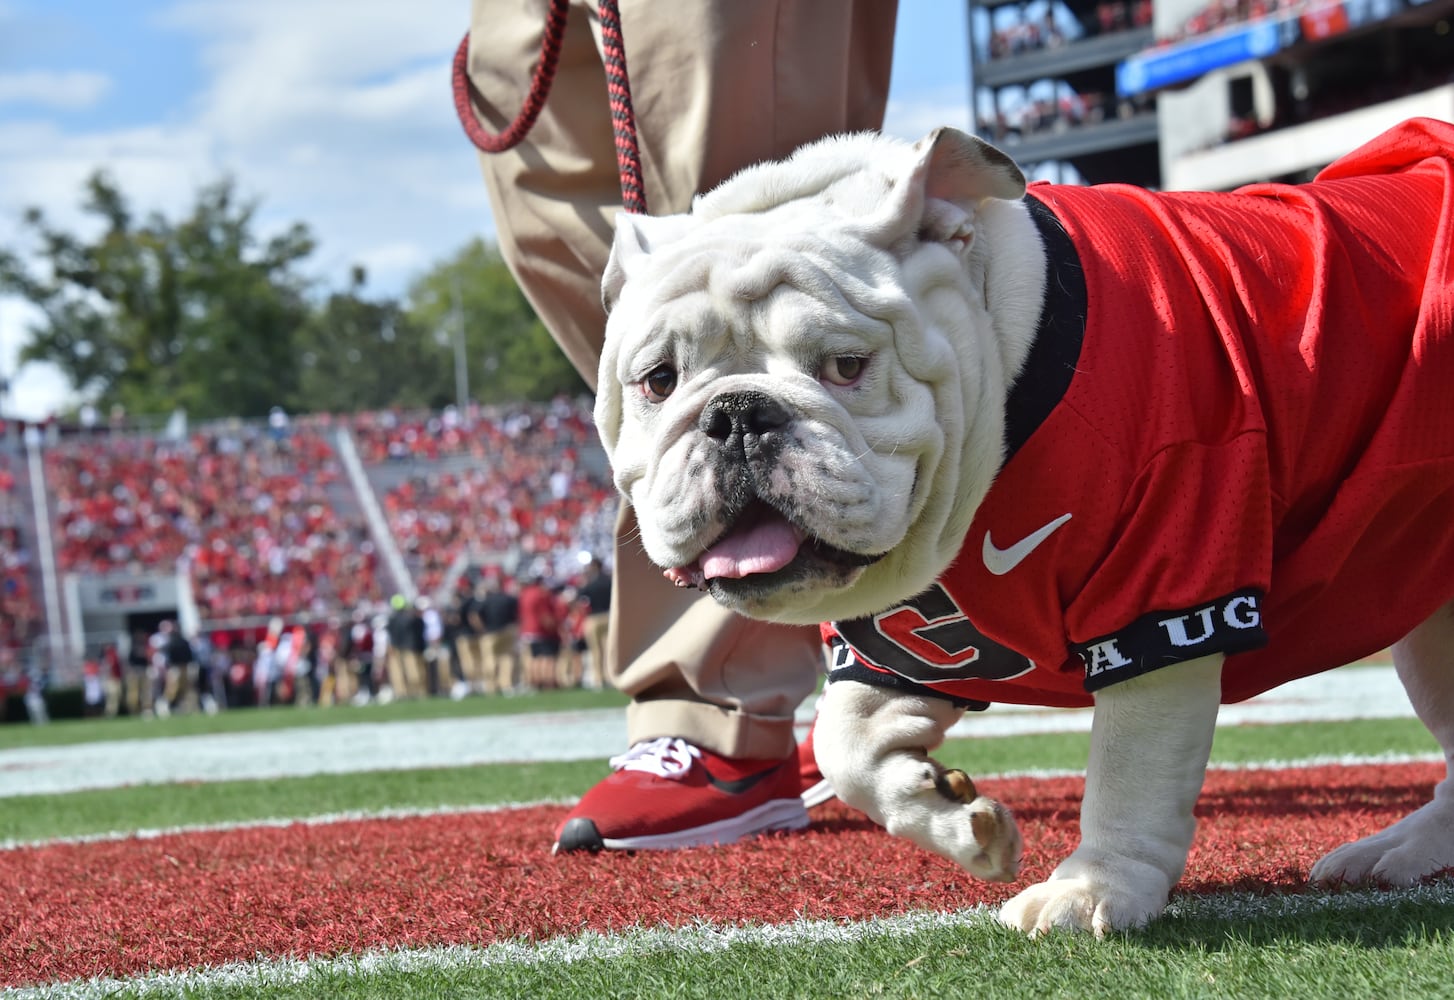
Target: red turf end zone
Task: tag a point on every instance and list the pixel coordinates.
(120, 908)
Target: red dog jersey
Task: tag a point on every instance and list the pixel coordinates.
(1234, 434)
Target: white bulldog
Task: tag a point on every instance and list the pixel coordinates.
(1150, 452)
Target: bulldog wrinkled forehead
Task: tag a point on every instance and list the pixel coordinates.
(849, 189)
(743, 259)
(850, 206)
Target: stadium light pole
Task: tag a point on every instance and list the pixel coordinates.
(461, 366)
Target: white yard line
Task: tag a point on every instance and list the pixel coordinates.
(1363, 692)
(1349, 693)
(355, 815)
(701, 938)
(292, 753)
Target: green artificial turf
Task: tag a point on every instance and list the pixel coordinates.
(145, 807)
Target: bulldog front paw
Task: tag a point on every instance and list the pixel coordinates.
(1416, 847)
(998, 839)
(1092, 890)
(1080, 904)
(946, 814)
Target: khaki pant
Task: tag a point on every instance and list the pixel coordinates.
(500, 654)
(177, 686)
(139, 691)
(114, 690)
(715, 87)
(406, 673)
(472, 663)
(598, 635)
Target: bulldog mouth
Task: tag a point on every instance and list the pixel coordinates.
(759, 543)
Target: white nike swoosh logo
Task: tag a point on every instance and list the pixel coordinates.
(1000, 561)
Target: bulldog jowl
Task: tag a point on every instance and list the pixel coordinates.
(766, 545)
(761, 551)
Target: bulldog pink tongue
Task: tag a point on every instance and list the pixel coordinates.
(764, 547)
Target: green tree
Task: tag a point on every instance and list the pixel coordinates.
(508, 354)
(199, 313)
(362, 354)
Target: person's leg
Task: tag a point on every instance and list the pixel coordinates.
(510, 666)
(715, 87)
(398, 681)
(568, 665)
(554, 195)
(472, 663)
(490, 663)
(597, 630)
(135, 684)
(416, 681)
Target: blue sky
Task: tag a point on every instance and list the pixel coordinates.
(331, 112)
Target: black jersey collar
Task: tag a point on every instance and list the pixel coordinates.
(1051, 364)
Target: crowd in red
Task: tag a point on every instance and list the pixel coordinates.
(249, 510)
(19, 607)
(1031, 33)
(1048, 105)
(528, 490)
(245, 508)
(1221, 13)
(387, 435)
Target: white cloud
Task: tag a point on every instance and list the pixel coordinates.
(70, 91)
(36, 391)
(337, 115)
(395, 263)
(157, 166)
(341, 116)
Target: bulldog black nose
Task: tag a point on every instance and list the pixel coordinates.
(742, 414)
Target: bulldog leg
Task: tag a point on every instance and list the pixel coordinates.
(1151, 737)
(1422, 843)
(873, 745)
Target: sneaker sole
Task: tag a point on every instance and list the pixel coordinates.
(818, 794)
(776, 814)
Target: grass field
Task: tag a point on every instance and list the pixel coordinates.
(857, 914)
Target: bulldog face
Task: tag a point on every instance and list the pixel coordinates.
(793, 393)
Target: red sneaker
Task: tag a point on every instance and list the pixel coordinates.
(667, 793)
(816, 789)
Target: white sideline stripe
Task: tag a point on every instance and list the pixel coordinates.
(351, 816)
(1321, 760)
(702, 938)
(1353, 692)
(348, 748)
(1358, 692)
(279, 822)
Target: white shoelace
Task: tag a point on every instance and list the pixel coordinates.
(665, 757)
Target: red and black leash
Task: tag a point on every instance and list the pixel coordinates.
(618, 91)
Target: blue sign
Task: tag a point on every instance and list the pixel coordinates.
(1157, 68)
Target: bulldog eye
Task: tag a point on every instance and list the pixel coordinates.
(659, 383)
(844, 369)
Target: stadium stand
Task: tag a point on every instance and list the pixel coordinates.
(242, 508)
(20, 613)
(268, 530)
(535, 487)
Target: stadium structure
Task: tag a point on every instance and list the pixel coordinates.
(105, 531)
(1198, 95)
(108, 530)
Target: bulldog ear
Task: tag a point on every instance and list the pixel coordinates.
(607, 415)
(953, 173)
(965, 170)
(637, 237)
